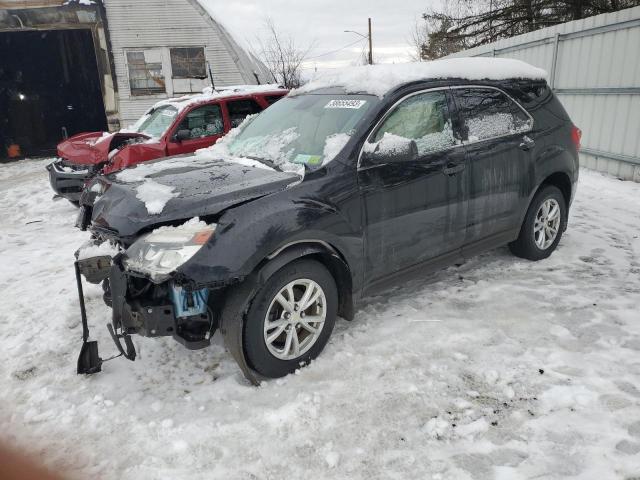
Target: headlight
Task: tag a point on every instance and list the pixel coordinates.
(162, 251)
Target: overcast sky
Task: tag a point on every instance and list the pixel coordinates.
(322, 23)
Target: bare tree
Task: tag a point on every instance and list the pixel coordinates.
(477, 22)
(418, 38)
(282, 56)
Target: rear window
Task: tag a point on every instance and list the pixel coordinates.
(489, 113)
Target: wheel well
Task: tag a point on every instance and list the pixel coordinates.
(331, 258)
(562, 181)
(342, 275)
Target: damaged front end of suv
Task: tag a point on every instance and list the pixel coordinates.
(154, 268)
(142, 286)
(244, 237)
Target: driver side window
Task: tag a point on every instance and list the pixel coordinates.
(203, 122)
(423, 118)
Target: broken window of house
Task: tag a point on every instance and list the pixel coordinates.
(145, 72)
(188, 62)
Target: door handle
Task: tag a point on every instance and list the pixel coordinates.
(527, 143)
(452, 169)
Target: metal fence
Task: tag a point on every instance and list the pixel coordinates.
(594, 68)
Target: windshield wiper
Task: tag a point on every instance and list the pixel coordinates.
(264, 161)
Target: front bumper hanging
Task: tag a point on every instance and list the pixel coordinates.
(67, 181)
(89, 360)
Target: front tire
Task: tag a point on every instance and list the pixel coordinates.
(543, 225)
(290, 318)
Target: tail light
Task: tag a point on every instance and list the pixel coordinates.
(576, 135)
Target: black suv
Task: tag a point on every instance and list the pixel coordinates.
(328, 196)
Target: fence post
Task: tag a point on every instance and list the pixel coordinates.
(554, 61)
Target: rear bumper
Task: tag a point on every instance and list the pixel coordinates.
(67, 181)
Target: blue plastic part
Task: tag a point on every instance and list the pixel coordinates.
(188, 303)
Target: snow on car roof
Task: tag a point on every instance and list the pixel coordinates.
(210, 94)
(380, 79)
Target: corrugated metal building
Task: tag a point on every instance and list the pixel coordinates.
(594, 68)
(171, 35)
(79, 65)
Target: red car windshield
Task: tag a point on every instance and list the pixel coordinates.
(157, 121)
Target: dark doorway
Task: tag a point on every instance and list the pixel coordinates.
(49, 84)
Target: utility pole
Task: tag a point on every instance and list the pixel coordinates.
(370, 44)
(367, 37)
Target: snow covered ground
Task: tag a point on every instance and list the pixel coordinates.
(499, 368)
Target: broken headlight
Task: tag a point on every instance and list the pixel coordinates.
(161, 252)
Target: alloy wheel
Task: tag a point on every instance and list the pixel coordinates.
(295, 319)
(547, 223)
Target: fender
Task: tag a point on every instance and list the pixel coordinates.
(248, 234)
(288, 253)
(552, 160)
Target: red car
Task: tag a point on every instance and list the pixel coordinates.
(170, 127)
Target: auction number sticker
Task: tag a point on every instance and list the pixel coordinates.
(345, 104)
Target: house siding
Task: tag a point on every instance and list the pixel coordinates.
(146, 24)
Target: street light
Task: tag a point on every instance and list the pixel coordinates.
(368, 37)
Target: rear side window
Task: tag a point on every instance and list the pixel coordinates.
(488, 113)
(423, 118)
(271, 99)
(240, 109)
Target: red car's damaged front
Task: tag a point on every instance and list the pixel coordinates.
(84, 155)
(171, 127)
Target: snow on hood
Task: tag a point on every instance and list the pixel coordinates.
(380, 79)
(155, 195)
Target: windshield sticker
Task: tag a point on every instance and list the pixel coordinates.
(168, 113)
(345, 104)
(304, 159)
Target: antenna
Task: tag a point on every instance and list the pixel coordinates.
(213, 86)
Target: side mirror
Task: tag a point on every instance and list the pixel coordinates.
(182, 135)
(391, 149)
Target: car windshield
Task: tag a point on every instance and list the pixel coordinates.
(301, 130)
(156, 122)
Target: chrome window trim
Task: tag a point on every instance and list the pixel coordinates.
(462, 143)
(488, 87)
(391, 110)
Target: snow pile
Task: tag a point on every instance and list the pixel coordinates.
(154, 195)
(332, 146)
(273, 148)
(189, 228)
(389, 144)
(90, 250)
(380, 79)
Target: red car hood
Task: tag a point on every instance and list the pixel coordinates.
(92, 148)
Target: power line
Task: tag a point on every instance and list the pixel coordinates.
(334, 51)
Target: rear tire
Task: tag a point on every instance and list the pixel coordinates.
(281, 334)
(543, 225)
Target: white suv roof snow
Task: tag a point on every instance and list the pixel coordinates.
(380, 79)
